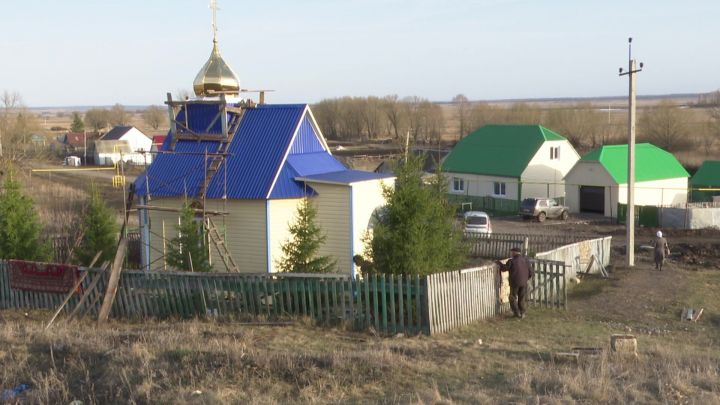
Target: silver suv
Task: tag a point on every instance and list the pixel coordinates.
(542, 208)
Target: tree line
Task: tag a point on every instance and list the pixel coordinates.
(667, 124)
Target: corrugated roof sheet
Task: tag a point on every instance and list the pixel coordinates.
(304, 164)
(707, 175)
(498, 150)
(345, 177)
(651, 162)
(115, 133)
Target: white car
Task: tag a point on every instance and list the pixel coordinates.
(476, 223)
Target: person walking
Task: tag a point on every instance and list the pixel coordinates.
(661, 250)
(520, 271)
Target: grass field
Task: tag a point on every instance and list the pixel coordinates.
(503, 360)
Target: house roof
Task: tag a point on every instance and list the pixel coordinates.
(77, 139)
(116, 133)
(708, 174)
(345, 177)
(651, 162)
(273, 145)
(498, 150)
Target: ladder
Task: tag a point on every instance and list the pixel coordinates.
(219, 156)
(221, 247)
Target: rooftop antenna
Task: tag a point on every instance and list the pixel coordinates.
(630, 215)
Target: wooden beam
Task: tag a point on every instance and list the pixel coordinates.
(113, 282)
(170, 209)
(72, 292)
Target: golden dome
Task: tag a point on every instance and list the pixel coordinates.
(216, 76)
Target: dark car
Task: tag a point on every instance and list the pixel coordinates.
(542, 208)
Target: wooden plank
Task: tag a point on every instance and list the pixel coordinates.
(419, 300)
(391, 287)
(375, 298)
(383, 288)
(401, 306)
(114, 280)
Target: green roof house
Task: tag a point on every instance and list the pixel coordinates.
(510, 161)
(707, 177)
(598, 182)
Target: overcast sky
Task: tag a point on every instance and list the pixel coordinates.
(83, 52)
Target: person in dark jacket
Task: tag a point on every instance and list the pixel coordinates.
(661, 249)
(520, 272)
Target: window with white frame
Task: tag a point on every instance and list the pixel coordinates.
(554, 152)
(458, 184)
(499, 188)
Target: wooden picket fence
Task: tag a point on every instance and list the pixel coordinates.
(461, 297)
(388, 303)
(499, 244)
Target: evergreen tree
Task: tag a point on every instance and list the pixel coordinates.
(300, 253)
(20, 226)
(77, 123)
(188, 244)
(416, 232)
(99, 230)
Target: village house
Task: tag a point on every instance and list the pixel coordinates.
(705, 183)
(598, 182)
(81, 144)
(124, 143)
(510, 162)
(246, 167)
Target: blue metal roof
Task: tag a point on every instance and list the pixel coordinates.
(345, 177)
(304, 164)
(273, 146)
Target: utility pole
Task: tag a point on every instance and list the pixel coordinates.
(630, 214)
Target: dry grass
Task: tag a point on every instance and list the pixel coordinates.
(223, 362)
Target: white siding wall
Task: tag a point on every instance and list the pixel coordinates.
(658, 192)
(244, 230)
(333, 204)
(590, 174)
(282, 215)
(479, 185)
(367, 197)
(543, 176)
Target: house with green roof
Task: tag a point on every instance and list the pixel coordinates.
(598, 182)
(705, 183)
(510, 162)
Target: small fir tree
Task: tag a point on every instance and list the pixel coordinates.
(99, 230)
(416, 231)
(77, 123)
(187, 251)
(20, 226)
(300, 252)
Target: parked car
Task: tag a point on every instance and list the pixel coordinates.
(542, 208)
(477, 223)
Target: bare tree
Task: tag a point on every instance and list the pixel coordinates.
(462, 109)
(97, 118)
(118, 116)
(327, 114)
(10, 101)
(395, 115)
(154, 116)
(581, 123)
(373, 117)
(664, 125)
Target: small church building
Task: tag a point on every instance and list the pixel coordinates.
(247, 166)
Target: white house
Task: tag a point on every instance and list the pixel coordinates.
(598, 182)
(510, 162)
(123, 143)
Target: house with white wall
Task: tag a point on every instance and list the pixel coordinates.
(124, 143)
(510, 162)
(598, 182)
